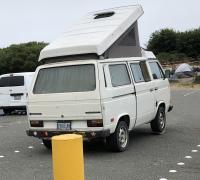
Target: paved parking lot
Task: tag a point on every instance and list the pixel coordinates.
(149, 157)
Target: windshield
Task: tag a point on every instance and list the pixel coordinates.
(76, 78)
(12, 81)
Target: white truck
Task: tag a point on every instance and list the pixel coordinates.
(96, 81)
(13, 91)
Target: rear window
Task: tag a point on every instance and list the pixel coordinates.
(76, 78)
(12, 81)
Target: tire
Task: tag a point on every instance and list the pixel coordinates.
(47, 143)
(158, 125)
(118, 142)
(7, 111)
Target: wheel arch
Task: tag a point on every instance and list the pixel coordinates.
(161, 104)
(125, 118)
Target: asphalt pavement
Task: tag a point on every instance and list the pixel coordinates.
(172, 156)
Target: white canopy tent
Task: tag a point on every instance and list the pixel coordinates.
(184, 68)
(183, 71)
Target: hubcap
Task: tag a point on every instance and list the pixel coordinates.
(162, 120)
(123, 137)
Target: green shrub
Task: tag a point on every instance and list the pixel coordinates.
(21, 57)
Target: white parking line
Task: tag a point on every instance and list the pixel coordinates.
(1, 156)
(16, 151)
(198, 145)
(181, 163)
(162, 179)
(190, 93)
(188, 157)
(194, 151)
(172, 171)
(30, 147)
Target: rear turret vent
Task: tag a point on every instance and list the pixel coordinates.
(104, 15)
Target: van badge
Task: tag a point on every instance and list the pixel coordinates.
(62, 116)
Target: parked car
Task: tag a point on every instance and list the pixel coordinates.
(13, 91)
(99, 83)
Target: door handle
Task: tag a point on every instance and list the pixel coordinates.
(156, 88)
(151, 90)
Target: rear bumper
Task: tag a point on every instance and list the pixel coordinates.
(13, 107)
(49, 134)
(170, 108)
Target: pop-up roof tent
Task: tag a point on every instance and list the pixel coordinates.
(111, 33)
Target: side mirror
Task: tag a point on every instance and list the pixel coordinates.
(167, 73)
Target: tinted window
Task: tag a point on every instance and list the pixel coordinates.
(156, 70)
(12, 81)
(119, 75)
(137, 72)
(77, 78)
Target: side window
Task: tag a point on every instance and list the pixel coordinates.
(119, 75)
(137, 72)
(140, 72)
(156, 70)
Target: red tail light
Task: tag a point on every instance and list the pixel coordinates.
(95, 123)
(36, 123)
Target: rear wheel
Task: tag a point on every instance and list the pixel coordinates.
(47, 143)
(158, 125)
(118, 141)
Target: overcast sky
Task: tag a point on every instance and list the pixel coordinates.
(44, 20)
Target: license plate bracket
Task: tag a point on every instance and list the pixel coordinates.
(64, 125)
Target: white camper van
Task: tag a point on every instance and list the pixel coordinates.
(96, 81)
(13, 91)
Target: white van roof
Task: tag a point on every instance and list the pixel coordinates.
(95, 33)
(148, 54)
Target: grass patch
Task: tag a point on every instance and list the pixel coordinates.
(190, 85)
(197, 80)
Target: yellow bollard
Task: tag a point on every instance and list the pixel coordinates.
(67, 152)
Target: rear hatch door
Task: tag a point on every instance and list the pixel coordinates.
(12, 90)
(68, 91)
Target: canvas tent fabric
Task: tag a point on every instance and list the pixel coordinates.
(100, 33)
(183, 71)
(183, 68)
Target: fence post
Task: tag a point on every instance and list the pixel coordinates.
(67, 153)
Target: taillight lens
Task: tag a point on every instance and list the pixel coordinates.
(95, 123)
(36, 123)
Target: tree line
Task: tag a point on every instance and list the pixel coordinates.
(167, 44)
(170, 45)
(20, 57)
